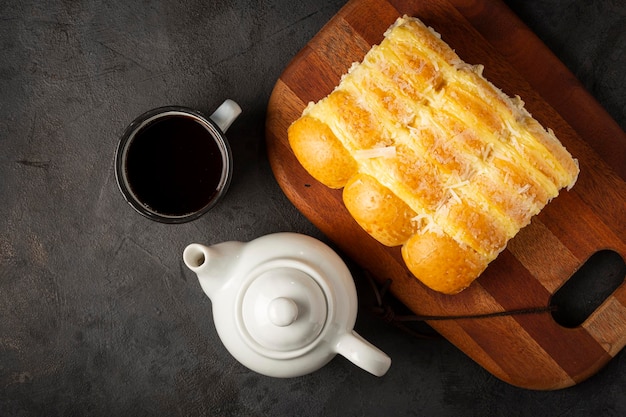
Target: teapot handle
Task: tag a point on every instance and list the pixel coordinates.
(362, 353)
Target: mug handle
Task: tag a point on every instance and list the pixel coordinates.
(226, 114)
(362, 353)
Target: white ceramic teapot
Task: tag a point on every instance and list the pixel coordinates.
(283, 304)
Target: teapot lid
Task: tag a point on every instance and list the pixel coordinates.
(282, 310)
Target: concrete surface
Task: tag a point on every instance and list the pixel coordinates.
(99, 317)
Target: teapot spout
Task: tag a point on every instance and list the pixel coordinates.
(211, 264)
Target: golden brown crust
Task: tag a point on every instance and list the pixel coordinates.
(321, 153)
(442, 263)
(378, 210)
(432, 156)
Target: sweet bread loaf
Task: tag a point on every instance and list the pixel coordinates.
(431, 155)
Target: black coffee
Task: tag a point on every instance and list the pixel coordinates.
(174, 166)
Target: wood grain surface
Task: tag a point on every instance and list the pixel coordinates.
(531, 350)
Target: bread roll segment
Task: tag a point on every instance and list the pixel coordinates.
(378, 210)
(442, 263)
(321, 153)
(431, 156)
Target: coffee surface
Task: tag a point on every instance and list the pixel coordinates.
(174, 166)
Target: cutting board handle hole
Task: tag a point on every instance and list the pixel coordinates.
(587, 289)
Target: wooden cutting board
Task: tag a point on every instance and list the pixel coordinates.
(530, 351)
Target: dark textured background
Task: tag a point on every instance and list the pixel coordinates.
(99, 317)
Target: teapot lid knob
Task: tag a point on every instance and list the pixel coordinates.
(282, 311)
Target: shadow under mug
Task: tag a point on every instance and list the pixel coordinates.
(173, 164)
